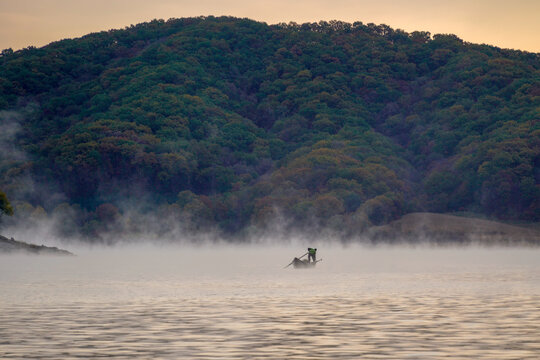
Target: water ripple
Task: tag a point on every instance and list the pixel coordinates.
(425, 327)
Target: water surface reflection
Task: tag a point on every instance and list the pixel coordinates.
(481, 304)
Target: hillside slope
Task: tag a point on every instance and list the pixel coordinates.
(232, 123)
(450, 229)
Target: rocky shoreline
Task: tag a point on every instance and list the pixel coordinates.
(13, 246)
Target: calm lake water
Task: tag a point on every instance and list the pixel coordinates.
(239, 303)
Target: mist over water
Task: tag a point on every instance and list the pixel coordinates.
(233, 301)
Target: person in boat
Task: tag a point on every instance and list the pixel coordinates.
(312, 254)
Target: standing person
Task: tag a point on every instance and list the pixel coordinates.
(312, 254)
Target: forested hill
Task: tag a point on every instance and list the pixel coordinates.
(233, 124)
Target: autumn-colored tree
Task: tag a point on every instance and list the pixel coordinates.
(5, 206)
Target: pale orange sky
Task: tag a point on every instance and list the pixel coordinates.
(505, 23)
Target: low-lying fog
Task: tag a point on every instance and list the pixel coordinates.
(132, 271)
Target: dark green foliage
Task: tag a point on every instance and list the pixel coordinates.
(331, 123)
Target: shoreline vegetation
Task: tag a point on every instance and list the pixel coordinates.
(411, 229)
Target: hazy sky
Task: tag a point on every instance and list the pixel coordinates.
(504, 23)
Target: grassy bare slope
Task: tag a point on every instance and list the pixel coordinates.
(444, 228)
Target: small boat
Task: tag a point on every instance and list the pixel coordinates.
(303, 264)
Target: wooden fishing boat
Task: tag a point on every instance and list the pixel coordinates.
(304, 264)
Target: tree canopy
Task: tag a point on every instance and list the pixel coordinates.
(234, 123)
